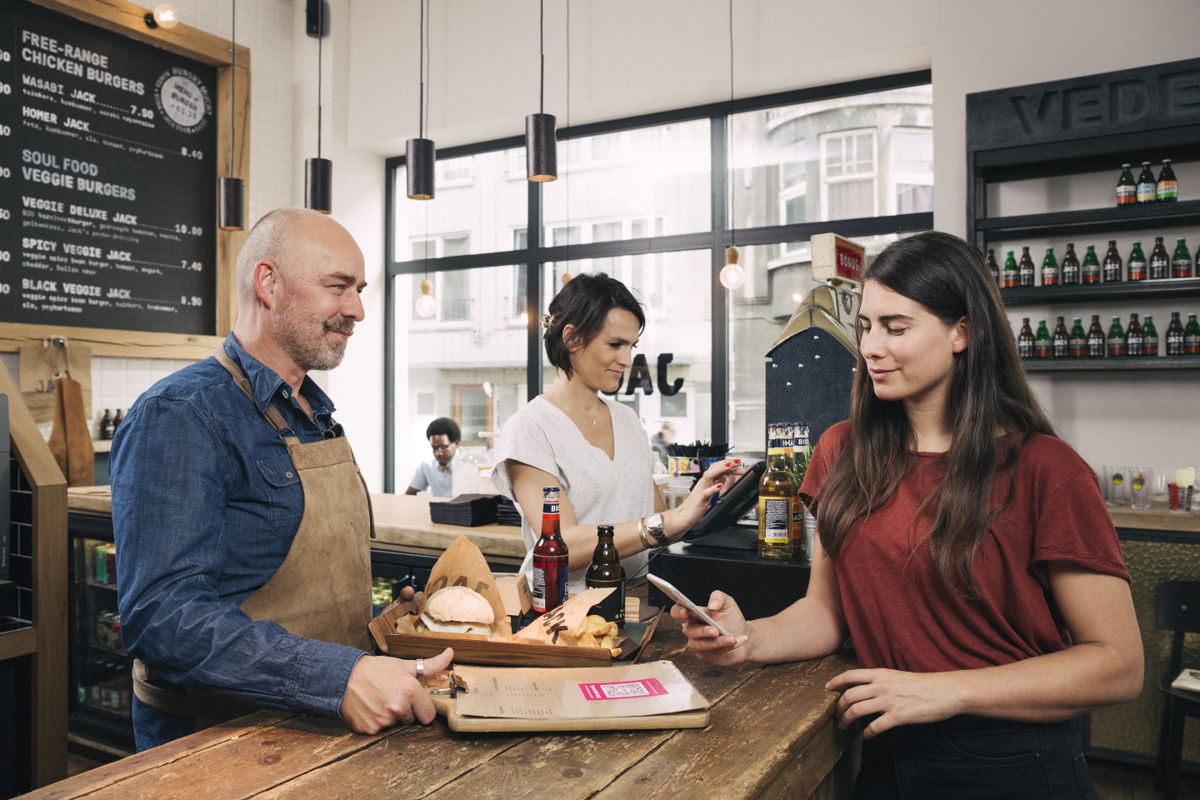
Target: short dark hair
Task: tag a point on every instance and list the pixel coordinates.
(584, 303)
(444, 426)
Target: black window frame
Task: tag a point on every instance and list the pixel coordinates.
(716, 239)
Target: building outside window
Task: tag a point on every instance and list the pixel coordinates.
(634, 200)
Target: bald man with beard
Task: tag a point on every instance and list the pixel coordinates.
(241, 520)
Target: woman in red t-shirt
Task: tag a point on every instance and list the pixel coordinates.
(965, 551)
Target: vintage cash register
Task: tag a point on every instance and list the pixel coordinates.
(809, 371)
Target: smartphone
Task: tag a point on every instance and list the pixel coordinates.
(679, 597)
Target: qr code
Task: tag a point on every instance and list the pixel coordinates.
(622, 690)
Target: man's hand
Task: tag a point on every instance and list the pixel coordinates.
(383, 691)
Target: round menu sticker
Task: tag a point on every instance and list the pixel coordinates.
(183, 100)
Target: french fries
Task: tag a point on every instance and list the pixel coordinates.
(595, 631)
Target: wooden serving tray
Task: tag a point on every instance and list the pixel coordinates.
(447, 707)
(478, 650)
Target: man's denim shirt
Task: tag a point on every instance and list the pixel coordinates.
(205, 505)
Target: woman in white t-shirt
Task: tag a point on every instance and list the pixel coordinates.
(593, 447)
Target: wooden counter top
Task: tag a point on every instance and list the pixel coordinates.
(400, 520)
(772, 734)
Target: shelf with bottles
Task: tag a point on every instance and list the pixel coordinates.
(1136, 347)
(1168, 272)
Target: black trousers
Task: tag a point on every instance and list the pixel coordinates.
(974, 757)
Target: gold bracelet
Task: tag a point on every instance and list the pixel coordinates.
(644, 535)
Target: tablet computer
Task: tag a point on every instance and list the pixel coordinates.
(733, 505)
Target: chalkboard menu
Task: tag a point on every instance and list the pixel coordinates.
(107, 179)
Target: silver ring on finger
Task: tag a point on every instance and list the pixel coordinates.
(420, 669)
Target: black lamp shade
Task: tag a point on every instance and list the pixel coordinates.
(541, 150)
(419, 159)
(230, 206)
(318, 184)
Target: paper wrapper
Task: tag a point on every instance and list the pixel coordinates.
(463, 565)
(559, 625)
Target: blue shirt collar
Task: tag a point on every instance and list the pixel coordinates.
(267, 385)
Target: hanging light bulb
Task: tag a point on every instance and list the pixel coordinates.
(231, 190)
(420, 155)
(163, 16)
(425, 305)
(732, 274)
(318, 172)
(541, 149)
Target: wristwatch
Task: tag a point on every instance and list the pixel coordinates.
(653, 525)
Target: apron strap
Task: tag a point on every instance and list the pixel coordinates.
(239, 378)
(193, 704)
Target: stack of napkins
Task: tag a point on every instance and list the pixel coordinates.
(507, 513)
(466, 509)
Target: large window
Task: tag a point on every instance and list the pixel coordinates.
(634, 198)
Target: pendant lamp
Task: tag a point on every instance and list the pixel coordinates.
(231, 190)
(420, 153)
(318, 172)
(733, 275)
(541, 156)
(163, 16)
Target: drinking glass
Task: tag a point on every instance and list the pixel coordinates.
(1116, 485)
(1141, 486)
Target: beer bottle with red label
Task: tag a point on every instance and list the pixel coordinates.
(1137, 263)
(1116, 339)
(1043, 345)
(1008, 278)
(1091, 265)
(1050, 271)
(549, 558)
(1181, 260)
(1149, 337)
(1126, 188)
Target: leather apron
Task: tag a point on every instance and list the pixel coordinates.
(322, 589)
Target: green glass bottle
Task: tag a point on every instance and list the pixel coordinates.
(1191, 337)
(1181, 260)
(1008, 278)
(1043, 344)
(1091, 265)
(1126, 188)
(1116, 339)
(1137, 263)
(1050, 273)
(1077, 340)
(1149, 338)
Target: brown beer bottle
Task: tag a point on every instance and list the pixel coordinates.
(1025, 270)
(1133, 336)
(549, 558)
(1060, 340)
(1160, 261)
(1112, 268)
(1175, 335)
(1025, 339)
(606, 572)
(1096, 342)
(1071, 273)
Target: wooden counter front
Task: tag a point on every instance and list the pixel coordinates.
(772, 735)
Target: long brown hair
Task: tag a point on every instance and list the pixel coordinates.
(988, 393)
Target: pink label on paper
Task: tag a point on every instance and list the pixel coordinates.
(621, 690)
